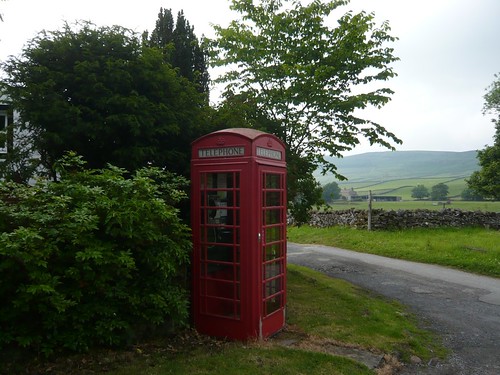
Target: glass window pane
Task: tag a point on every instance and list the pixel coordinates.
(273, 181)
(220, 253)
(272, 216)
(273, 198)
(272, 269)
(229, 179)
(226, 308)
(212, 180)
(273, 234)
(225, 235)
(3, 134)
(3, 122)
(223, 289)
(229, 198)
(272, 252)
(208, 234)
(273, 287)
(220, 271)
(273, 304)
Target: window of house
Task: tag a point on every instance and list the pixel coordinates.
(3, 131)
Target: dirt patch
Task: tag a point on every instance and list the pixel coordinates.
(383, 364)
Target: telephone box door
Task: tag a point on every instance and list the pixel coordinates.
(273, 248)
(218, 260)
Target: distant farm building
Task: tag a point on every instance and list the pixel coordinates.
(349, 194)
(384, 198)
(352, 196)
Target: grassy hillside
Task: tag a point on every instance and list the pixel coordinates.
(403, 187)
(384, 166)
(397, 173)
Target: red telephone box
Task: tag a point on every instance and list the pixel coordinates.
(238, 218)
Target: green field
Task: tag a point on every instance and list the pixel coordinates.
(397, 173)
(403, 187)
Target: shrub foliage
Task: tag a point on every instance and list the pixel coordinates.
(94, 259)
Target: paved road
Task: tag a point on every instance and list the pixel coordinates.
(463, 308)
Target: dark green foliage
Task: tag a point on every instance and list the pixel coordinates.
(103, 94)
(486, 181)
(181, 48)
(471, 195)
(419, 192)
(302, 188)
(439, 192)
(331, 191)
(94, 259)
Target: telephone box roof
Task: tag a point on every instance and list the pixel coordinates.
(248, 133)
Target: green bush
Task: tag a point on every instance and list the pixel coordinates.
(96, 258)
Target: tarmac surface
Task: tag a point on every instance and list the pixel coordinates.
(463, 308)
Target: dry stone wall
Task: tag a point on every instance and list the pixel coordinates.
(403, 219)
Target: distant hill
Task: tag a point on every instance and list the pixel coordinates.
(384, 166)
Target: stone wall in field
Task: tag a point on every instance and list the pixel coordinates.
(402, 219)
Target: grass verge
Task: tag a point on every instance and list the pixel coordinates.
(336, 310)
(238, 359)
(474, 250)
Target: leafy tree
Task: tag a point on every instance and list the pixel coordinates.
(439, 192)
(310, 80)
(101, 93)
(419, 192)
(181, 48)
(94, 259)
(163, 33)
(486, 181)
(331, 191)
(492, 103)
(470, 195)
(303, 189)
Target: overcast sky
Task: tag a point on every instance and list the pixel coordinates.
(449, 53)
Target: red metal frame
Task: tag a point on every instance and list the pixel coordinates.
(238, 219)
